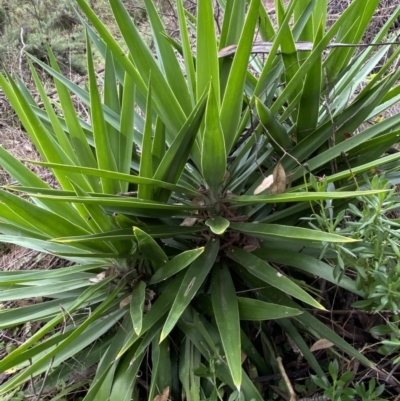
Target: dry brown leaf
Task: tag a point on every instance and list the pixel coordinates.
(198, 202)
(110, 272)
(252, 244)
(189, 222)
(321, 344)
(28, 147)
(24, 302)
(125, 301)
(164, 396)
(250, 248)
(279, 180)
(149, 295)
(100, 277)
(229, 194)
(265, 184)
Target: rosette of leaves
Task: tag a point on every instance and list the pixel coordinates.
(178, 264)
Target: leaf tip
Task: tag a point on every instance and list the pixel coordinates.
(163, 336)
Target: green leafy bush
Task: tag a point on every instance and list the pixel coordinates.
(377, 265)
(181, 199)
(337, 390)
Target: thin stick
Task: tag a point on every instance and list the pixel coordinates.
(31, 379)
(39, 394)
(293, 396)
(21, 51)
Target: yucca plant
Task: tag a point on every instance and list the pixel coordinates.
(181, 199)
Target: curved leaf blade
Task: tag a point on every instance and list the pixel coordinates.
(134, 179)
(137, 305)
(175, 265)
(280, 231)
(265, 272)
(191, 283)
(149, 248)
(308, 196)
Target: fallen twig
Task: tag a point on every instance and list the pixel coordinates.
(292, 394)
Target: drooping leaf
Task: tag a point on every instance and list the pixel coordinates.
(149, 248)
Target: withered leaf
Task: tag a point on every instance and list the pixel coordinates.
(279, 176)
(252, 243)
(100, 277)
(125, 301)
(164, 396)
(321, 344)
(189, 222)
(265, 184)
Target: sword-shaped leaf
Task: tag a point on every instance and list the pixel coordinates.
(213, 155)
(146, 157)
(175, 265)
(226, 312)
(194, 278)
(271, 276)
(280, 231)
(137, 306)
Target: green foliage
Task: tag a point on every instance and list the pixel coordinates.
(372, 220)
(391, 345)
(155, 199)
(378, 266)
(337, 390)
